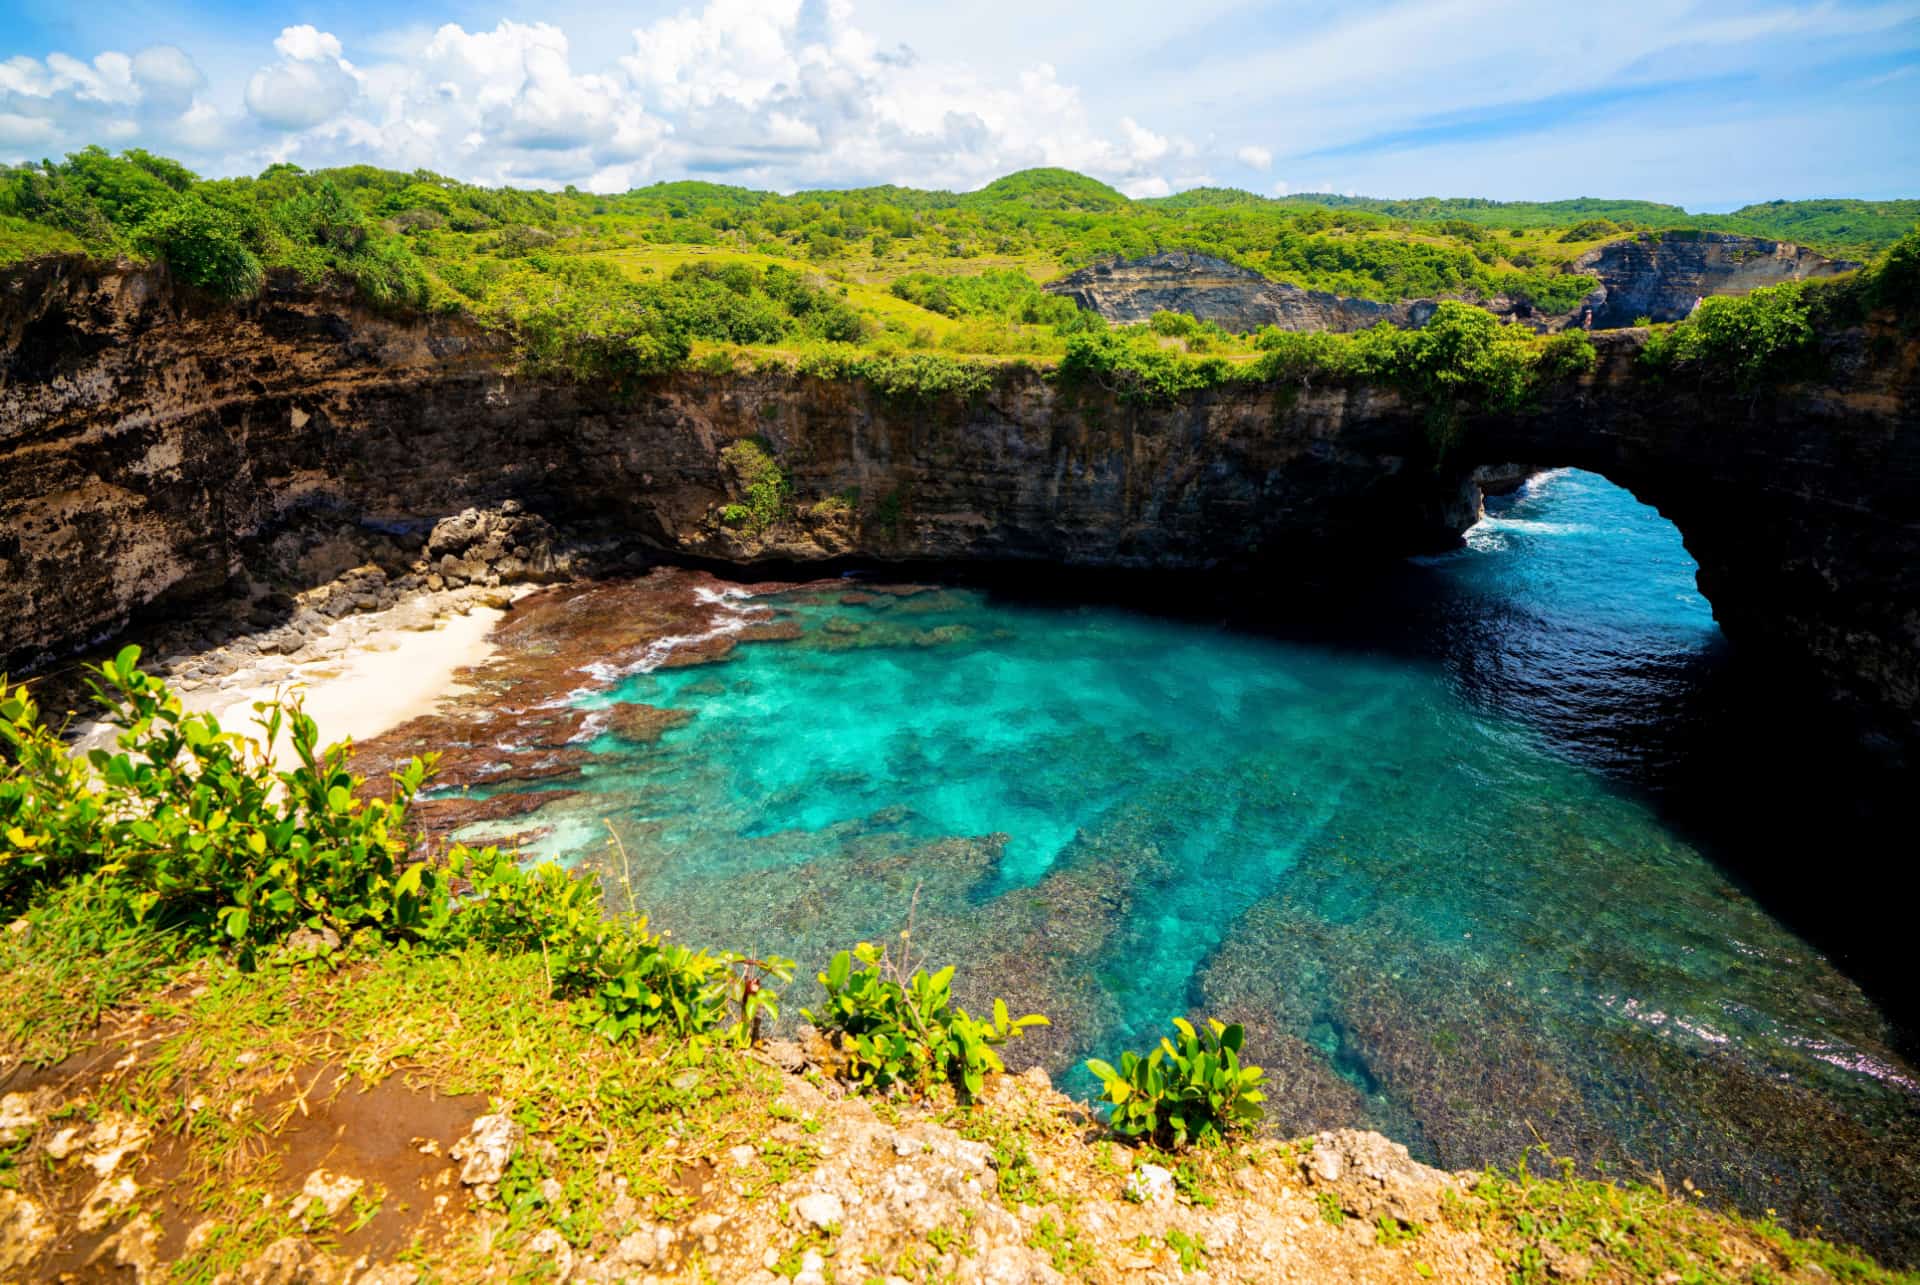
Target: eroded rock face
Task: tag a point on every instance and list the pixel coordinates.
(1661, 275)
(1237, 299)
(148, 442)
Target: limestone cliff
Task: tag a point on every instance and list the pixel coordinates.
(1661, 275)
(1237, 299)
(146, 437)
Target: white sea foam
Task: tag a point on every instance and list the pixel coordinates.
(733, 612)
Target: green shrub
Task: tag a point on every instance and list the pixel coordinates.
(1747, 340)
(1136, 371)
(1590, 230)
(1300, 356)
(1195, 1090)
(1895, 280)
(1463, 357)
(909, 376)
(188, 830)
(580, 319)
(198, 831)
(903, 1030)
(21, 239)
(203, 246)
(624, 979)
(1564, 356)
(764, 485)
(1174, 324)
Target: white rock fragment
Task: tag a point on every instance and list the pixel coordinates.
(488, 1149)
(552, 1246)
(1150, 1185)
(640, 1249)
(332, 1192)
(107, 1198)
(113, 1139)
(24, 1231)
(20, 1115)
(822, 1209)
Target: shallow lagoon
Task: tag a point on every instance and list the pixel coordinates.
(1410, 849)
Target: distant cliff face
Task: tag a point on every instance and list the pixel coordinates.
(1237, 299)
(146, 438)
(1660, 276)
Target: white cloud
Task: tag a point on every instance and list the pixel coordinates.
(62, 103)
(311, 84)
(167, 77)
(797, 93)
(775, 93)
(306, 43)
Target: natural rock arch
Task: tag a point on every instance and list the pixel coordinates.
(145, 438)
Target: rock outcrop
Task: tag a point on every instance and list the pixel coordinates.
(1235, 298)
(1661, 275)
(149, 442)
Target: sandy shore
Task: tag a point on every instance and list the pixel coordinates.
(368, 673)
(382, 675)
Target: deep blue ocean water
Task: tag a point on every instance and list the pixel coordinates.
(1414, 839)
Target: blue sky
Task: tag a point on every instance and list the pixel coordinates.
(1708, 105)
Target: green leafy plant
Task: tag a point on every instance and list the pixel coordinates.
(1191, 1254)
(196, 829)
(204, 245)
(764, 485)
(1747, 339)
(901, 1029)
(190, 829)
(1193, 1088)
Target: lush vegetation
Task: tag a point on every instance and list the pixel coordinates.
(761, 481)
(188, 832)
(1773, 333)
(920, 294)
(1844, 228)
(898, 1025)
(1193, 1088)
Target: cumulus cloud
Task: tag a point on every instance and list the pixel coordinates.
(61, 102)
(310, 84)
(167, 77)
(796, 93)
(780, 93)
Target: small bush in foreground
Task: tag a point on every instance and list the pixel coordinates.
(1196, 1090)
(904, 1030)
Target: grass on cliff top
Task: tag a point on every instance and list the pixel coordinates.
(229, 1068)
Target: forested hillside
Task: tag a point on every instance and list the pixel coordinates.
(609, 286)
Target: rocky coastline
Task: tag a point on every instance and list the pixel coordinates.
(187, 437)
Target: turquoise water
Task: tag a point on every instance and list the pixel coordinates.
(1406, 842)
